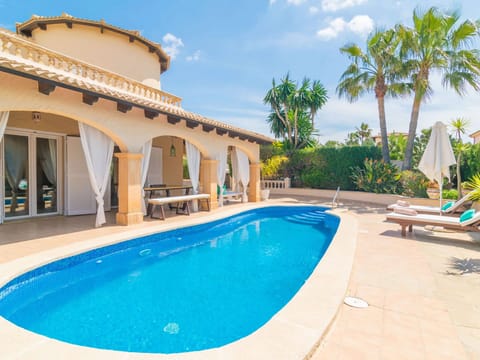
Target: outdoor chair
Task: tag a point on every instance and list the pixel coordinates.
(447, 222)
(450, 208)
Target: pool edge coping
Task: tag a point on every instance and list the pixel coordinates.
(293, 332)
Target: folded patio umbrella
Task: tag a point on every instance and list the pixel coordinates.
(438, 156)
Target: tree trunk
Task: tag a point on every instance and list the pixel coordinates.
(412, 130)
(459, 180)
(295, 129)
(383, 129)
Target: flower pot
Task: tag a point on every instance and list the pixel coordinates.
(433, 193)
(264, 194)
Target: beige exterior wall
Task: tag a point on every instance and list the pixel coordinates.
(172, 166)
(129, 131)
(109, 50)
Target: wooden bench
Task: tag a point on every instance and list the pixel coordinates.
(231, 195)
(182, 201)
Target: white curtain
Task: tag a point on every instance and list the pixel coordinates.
(243, 168)
(3, 122)
(3, 125)
(98, 150)
(221, 169)
(16, 166)
(47, 149)
(146, 151)
(193, 162)
(235, 176)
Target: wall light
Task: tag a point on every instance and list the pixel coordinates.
(173, 151)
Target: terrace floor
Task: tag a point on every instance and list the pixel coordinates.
(423, 290)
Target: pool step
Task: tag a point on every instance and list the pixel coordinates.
(308, 218)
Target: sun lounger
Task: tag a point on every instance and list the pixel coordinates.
(183, 203)
(451, 209)
(447, 222)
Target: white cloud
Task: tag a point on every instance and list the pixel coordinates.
(360, 24)
(290, 2)
(334, 27)
(172, 45)
(313, 9)
(295, 2)
(194, 57)
(335, 5)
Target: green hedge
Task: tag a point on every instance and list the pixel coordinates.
(328, 168)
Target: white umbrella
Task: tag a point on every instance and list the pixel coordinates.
(438, 156)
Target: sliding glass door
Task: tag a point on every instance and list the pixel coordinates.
(31, 174)
(46, 169)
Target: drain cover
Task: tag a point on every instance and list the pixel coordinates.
(355, 302)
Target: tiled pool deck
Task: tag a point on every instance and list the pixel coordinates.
(423, 291)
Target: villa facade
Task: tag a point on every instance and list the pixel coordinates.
(78, 96)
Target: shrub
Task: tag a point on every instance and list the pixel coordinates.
(414, 183)
(450, 194)
(473, 184)
(377, 177)
(275, 167)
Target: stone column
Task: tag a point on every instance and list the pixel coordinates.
(208, 180)
(129, 189)
(254, 193)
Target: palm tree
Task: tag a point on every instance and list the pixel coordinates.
(316, 99)
(459, 126)
(377, 70)
(436, 42)
(279, 99)
(294, 109)
(363, 132)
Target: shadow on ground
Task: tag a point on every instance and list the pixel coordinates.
(463, 266)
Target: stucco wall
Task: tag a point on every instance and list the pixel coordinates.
(109, 50)
(129, 131)
(172, 166)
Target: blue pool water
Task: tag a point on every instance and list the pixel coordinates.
(189, 289)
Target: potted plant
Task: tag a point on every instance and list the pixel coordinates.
(433, 190)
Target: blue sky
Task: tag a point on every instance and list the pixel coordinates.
(225, 53)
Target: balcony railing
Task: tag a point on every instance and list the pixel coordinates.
(16, 48)
(275, 184)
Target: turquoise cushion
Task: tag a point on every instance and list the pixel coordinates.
(224, 190)
(448, 205)
(467, 215)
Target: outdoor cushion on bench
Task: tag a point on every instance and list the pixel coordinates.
(227, 195)
(182, 199)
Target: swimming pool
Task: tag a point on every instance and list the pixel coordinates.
(183, 290)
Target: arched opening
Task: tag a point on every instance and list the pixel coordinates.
(43, 168)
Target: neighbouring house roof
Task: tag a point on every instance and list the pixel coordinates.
(475, 134)
(42, 22)
(50, 69)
